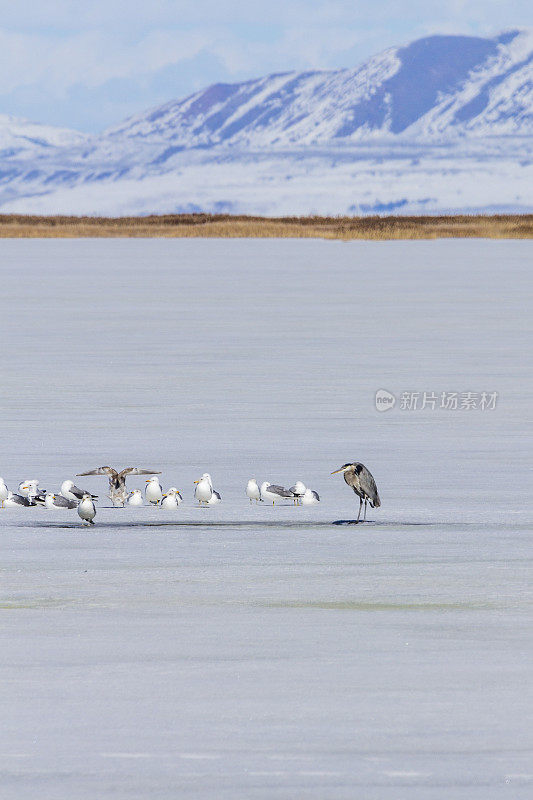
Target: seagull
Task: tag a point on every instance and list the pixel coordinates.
(175, 491)
(252, 490)
(71, 492)
(4, 492)
(117, 480)
(362, 482)
(30, 490)
(310, 498)
(50, 500)
(298, 490)
(86, 509)
(171, 499)
(135, 498)
(204, 488)
(153, 491)
(16, 500)
(271, 491)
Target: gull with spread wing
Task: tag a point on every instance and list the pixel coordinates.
(117, 480)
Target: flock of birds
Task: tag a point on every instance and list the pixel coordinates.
(270, 492)
(356, 475)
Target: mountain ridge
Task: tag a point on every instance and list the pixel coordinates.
(439, 125)
(390, 94)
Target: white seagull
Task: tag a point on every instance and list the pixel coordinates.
(298, 490)
(171, 499)
(15, 501)
(86, 509)
(310, 498)
(153, 491)
(30, 489)
(135, 498)
(70, 491)
(4, 492)
(177, 492)
(271, 491)
(51, 500)
(204, 489)
(252, 490)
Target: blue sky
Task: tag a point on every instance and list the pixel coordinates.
(89, 64)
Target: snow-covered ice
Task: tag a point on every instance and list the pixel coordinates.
(243, 651)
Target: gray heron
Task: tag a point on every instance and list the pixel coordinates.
(117, 480)
(362, 482)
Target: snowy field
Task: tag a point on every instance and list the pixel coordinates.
(259, 652)
(468, 178)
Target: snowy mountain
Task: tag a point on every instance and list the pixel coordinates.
(442, 124)
(434, 87)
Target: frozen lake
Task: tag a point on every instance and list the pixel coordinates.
(259, 652)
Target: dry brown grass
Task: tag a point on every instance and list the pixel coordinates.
(513, 226)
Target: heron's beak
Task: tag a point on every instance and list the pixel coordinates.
(198, 481)
(337, 470)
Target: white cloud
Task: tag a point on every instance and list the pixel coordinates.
(91, 58)
(128, 15)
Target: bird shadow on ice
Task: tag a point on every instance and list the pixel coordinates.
(250, 524)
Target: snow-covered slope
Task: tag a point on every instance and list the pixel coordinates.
(437, 86)
(20, 137)
(443, 124)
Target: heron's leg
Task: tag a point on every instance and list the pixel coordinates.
(360, 504)
(364, 518)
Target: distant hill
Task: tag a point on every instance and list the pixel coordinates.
(440, 86)
(20, 137)
(442, 124)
